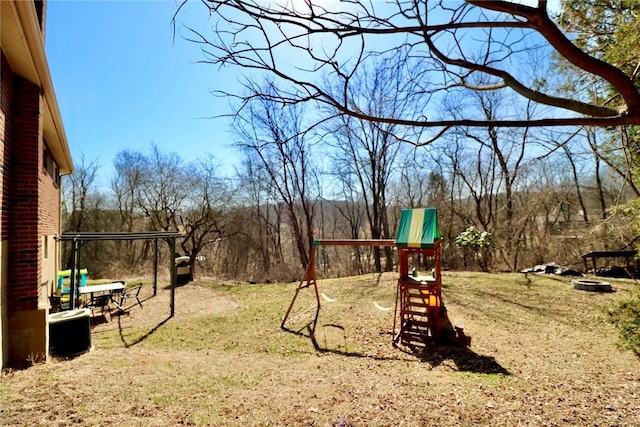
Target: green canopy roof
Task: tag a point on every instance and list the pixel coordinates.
(418, 228)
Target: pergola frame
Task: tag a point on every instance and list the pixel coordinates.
(83, 237)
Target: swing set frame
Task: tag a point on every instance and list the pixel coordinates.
(310, 279)
(402, 292)
(419, 310)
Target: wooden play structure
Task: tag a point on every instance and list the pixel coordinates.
(420, 315)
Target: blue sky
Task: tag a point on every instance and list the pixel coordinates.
(123, 82)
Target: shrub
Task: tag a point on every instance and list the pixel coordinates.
(625, 315)
(479, 243)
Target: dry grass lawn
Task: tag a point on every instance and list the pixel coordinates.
(542, 354)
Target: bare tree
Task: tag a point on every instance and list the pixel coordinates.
(505, 154)
(366, 153)
(271, 135)
(161, 193)
(350, 211)
(205, 213)
(80, 194)
(454, 41)
(130, 169)
(82, 203)
(265, 218)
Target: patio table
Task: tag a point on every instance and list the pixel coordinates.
(115, 286)
(105, 287)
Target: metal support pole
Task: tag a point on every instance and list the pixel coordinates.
(74, 266)
(155, 267)
(173, 276)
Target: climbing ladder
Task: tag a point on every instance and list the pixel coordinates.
(419, 310)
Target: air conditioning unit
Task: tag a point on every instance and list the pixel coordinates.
(70, 332)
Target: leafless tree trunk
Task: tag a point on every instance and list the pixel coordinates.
(367, 152)
(130, 168)
(351, 210)
(591, 136)
(206, 212)
(82, 201)
(271, 135)
(576, 182)
(161, 194)
(80, 194)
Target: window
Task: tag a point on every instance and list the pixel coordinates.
(50, 166)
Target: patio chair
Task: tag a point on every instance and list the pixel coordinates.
(100, 302)
(132, 292)
(56, 304)
(116, 296)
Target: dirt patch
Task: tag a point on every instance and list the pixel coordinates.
(189, 301)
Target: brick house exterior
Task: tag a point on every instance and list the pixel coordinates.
(33, 155)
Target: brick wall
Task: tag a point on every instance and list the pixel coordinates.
(26, 165)
(6, 91)
(6, 88)
(29, 211)
(49, 200)
(49, 206)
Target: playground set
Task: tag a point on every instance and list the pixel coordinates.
(420, 315)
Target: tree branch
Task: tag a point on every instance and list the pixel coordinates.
(264, 37)
(539, 19)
